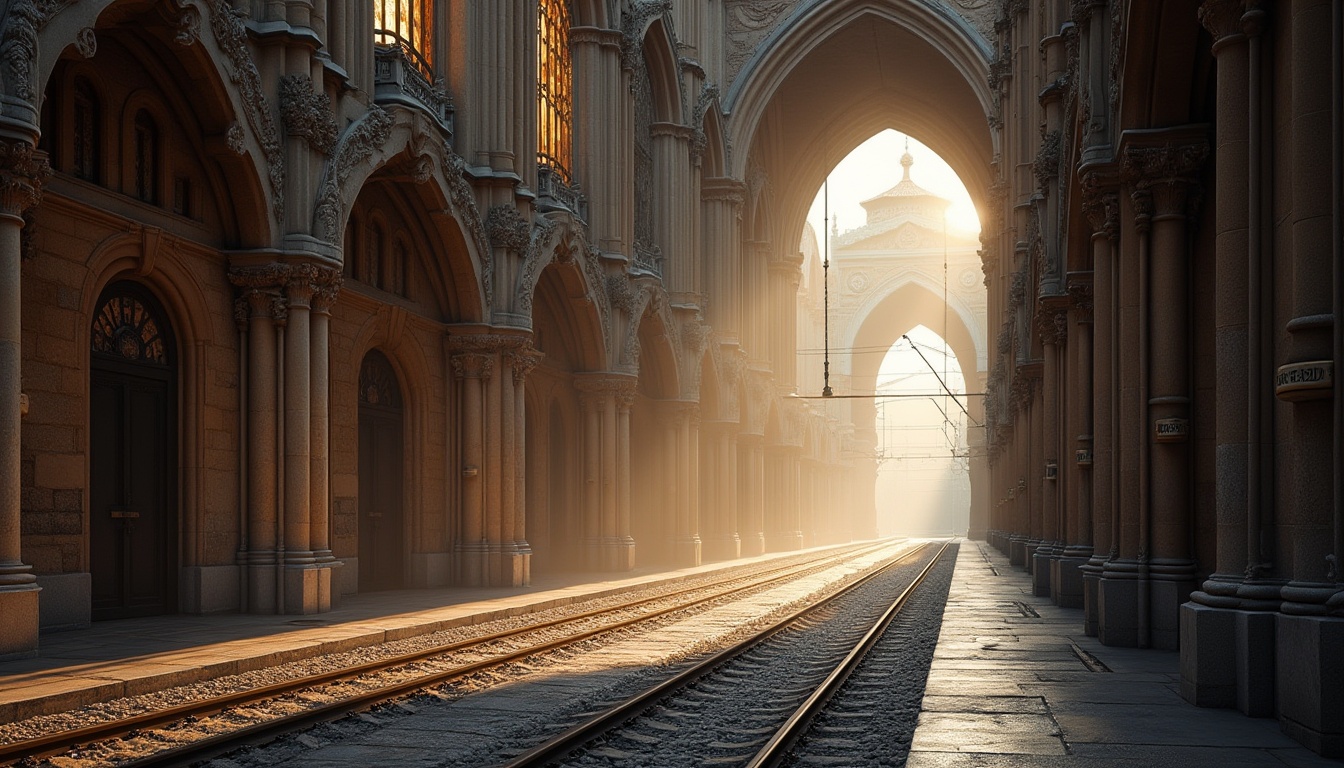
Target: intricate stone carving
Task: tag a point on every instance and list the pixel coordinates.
(235, 139)
(699, 142)
(23, 171)
(307, 113)
(1169, 173)
(507, 228)
(231, 36)
(536, 259)
(359, 142)
(1222, 18)
(1101, 205)
(18, 43)
(1046, 164)
(472, 365)
(633, 22)
(326, 287)
(188, 26)
(750, 22)
(1080, 290)
(521, 361)
(86, 42)
(622, 293)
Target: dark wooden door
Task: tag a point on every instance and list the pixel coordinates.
(132, 462)
(381, 477)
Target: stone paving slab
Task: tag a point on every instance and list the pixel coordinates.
(1006, 689)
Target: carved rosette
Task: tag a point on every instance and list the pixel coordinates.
(307, 113)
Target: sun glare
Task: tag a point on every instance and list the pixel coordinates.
(875, 166)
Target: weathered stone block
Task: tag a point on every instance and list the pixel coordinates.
(65, 601)
(1117, 614)
(1310, 681)
(1208, 656)
(209, 589)
(18, 631)
(1255, 663)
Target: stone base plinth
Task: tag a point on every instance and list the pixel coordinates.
(1255, 662)
(1041, 572)
(261, 593)
(473, 563)
(1165, 600)
(511, 568)
(67, 600)
(753, 544)
(722, 548)
(205, 589)
(686, 552)
(1066, 581)
(1208, 656)
(783, 541)
(18, 629)
(428, 569)
(307, 589)
(1117, 612)
(1310, 681)
(1017, 552)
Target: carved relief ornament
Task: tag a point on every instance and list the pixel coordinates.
(307, 113)
(23, 171)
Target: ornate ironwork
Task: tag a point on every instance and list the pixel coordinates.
(555, 89)
(125, 326)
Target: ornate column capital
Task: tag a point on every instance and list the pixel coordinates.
(1101, 202)
(1167, 171)
(521, 361)
(23, 171)
(472, 365)
(260, 292)
(1222, 18)
(1080, 291)
(1052, 320)
(723, 190)
(326, 285)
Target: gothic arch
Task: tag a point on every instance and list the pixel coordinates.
(660, 56)
(651, 347)
(222, 102)
(790, 115)
(973, 341)
(401, 139)
(567, 283)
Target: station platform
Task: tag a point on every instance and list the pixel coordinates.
(128, 657)
(1016, 682)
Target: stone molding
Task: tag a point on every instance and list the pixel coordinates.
(24, 170)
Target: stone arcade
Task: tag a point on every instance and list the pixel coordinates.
(309, 297)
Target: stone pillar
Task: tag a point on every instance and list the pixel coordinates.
(785, 274)
(1052, 324)
(781, 499)
(1210, 643)
(301, 582)
(328, 285)
(686, 543)
(521, 362)
(1167, 171)
(472, 371)
(722, 201)
(1102, 205)
(751, 494)
(624, 545)
(259, 296)
(1309, 632)
(718, 481)
(603, 97)
(607, 470)
(1066, 578)
(22, 171)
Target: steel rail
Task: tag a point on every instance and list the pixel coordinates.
(777, 749)
(589, 730)
(56, 743)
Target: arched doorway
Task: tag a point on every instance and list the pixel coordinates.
(381, 475)
(132, 456)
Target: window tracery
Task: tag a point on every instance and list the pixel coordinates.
(555, 79)
(408, 25)
(127, 327)
(378, 382)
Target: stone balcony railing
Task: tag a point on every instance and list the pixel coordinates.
(554, 194)
(400, 78)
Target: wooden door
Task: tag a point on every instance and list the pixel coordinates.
(132, 459)
(381, 476)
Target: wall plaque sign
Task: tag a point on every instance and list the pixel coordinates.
(1305, 381)
(1171, 430)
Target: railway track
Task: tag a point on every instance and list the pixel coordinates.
(751, 704)
(220, 723)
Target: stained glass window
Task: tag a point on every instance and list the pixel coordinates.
(125, 326)
(408, 25)
(378, 382)
(555, 136)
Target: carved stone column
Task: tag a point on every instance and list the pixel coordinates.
(328, 285)
(1168, 172)
(1052, 325)
(785, 275)
(1102, 205)
(520, 363)
(722, 201)
(1066, 580)
(607, 539)
(1210, 636)
(22, 171)
(600, 139)
(260, 298)
(782, 487)
(473, 371)
(686, 542)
